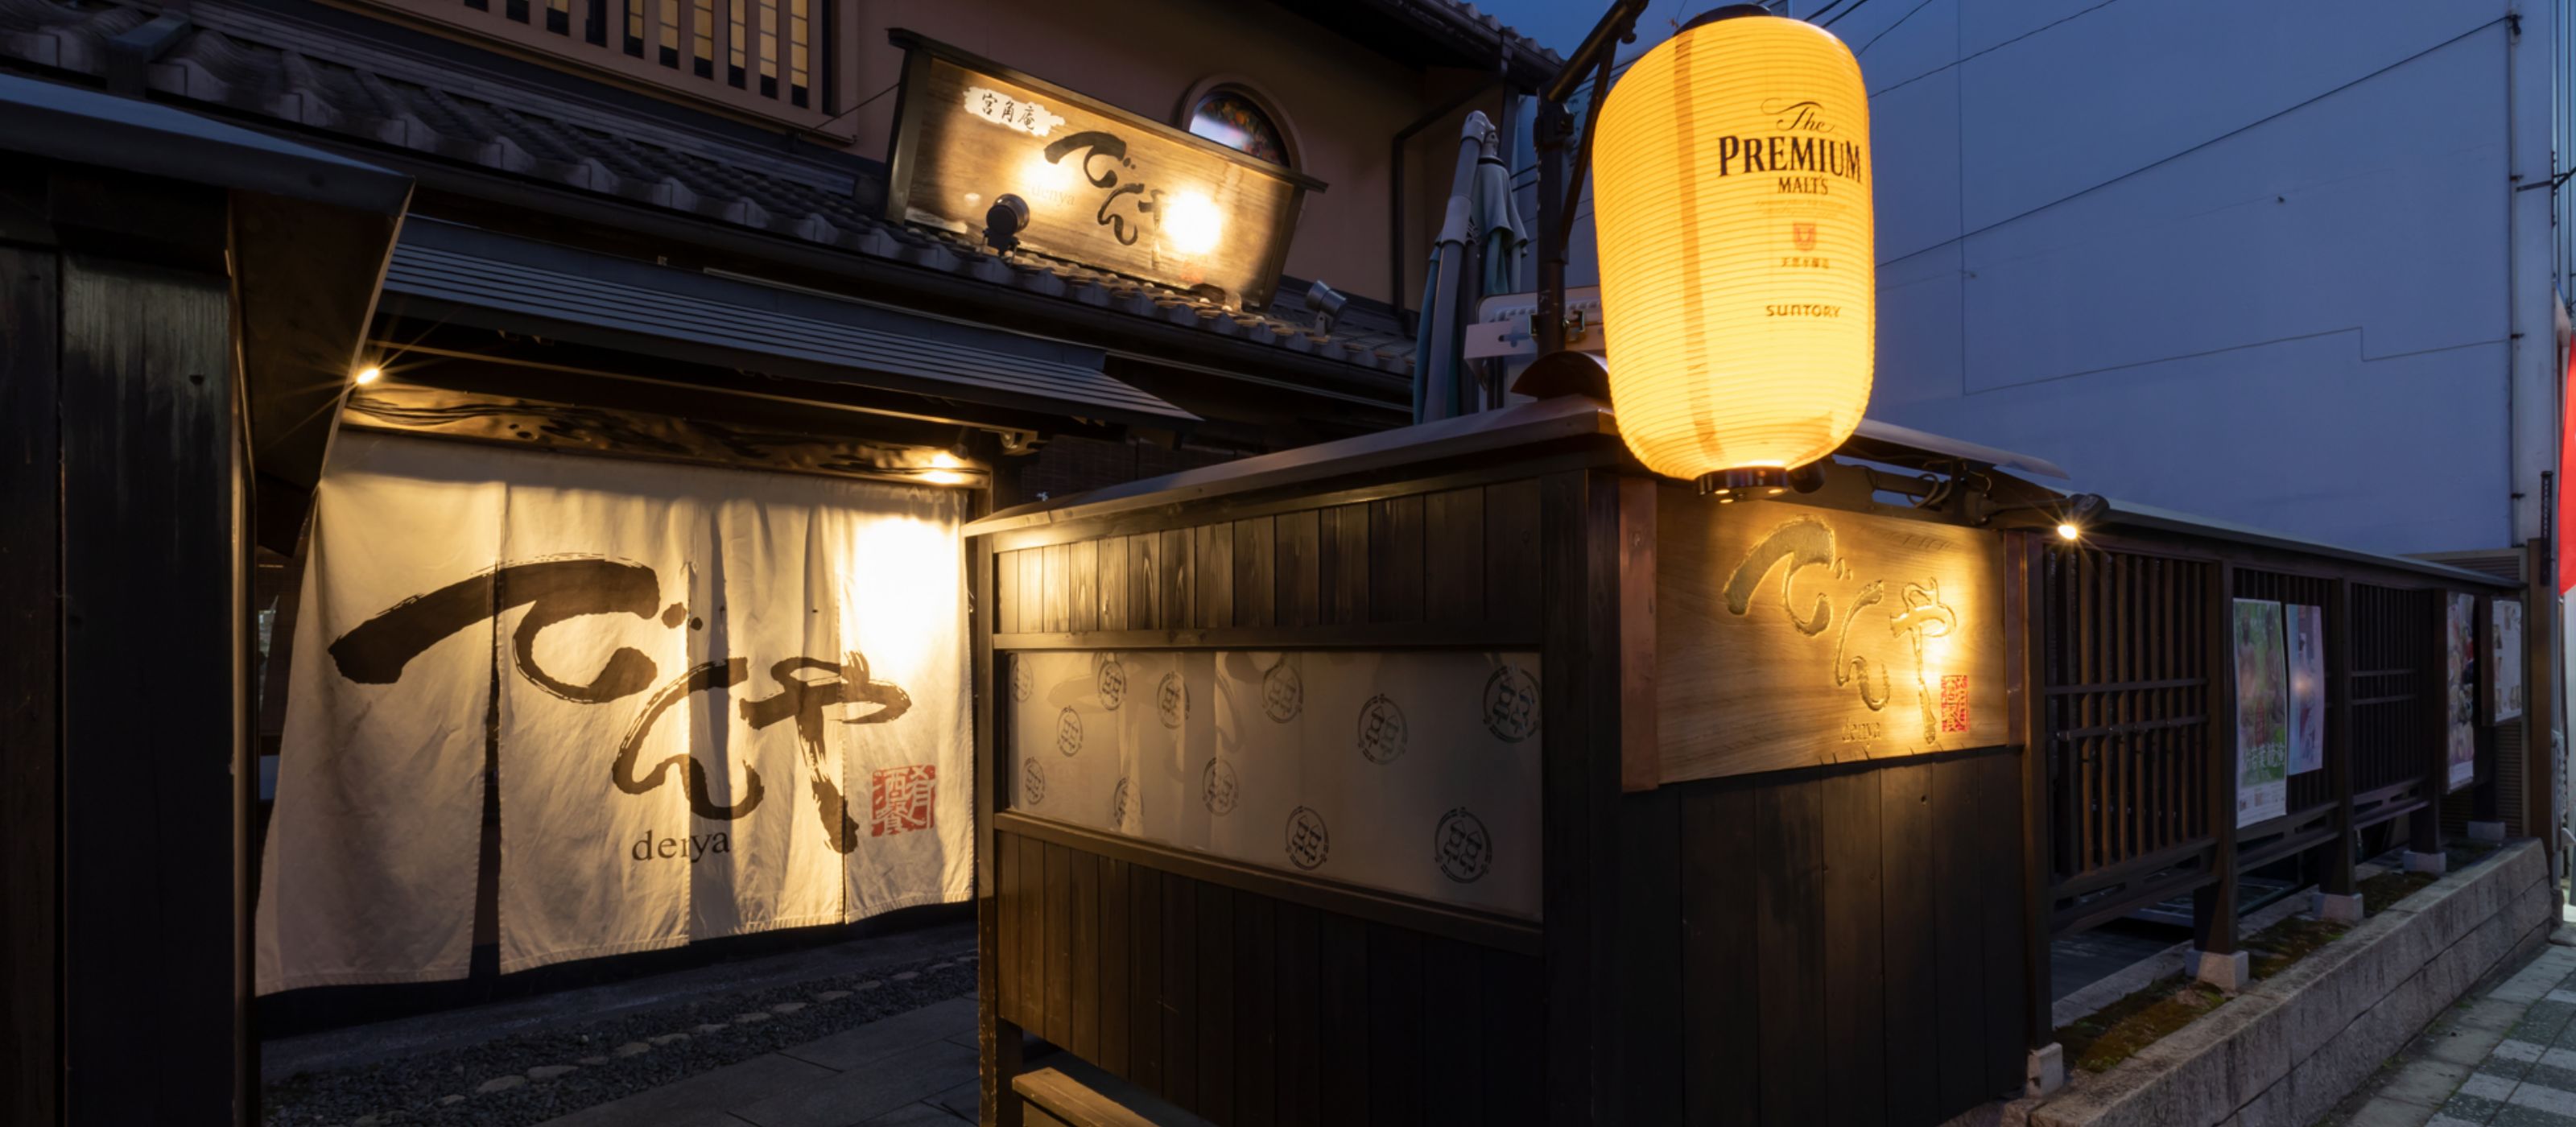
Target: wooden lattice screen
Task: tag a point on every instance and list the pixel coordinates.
(2127, 649)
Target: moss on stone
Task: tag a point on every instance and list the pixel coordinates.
(2117, 1031)
(2382, 891)
(2275, 948)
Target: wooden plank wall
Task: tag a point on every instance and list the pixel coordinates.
(31, 1063)
(1464, 558)
(1256, 1011)
(1850, 943)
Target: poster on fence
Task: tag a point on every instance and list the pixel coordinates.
(2460, 635)
(2307, 627)
(2262, 713)
(714, 702)
(2504, 636)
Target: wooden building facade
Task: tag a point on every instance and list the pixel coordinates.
(1851, 928)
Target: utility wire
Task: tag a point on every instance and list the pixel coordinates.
(1882, 34)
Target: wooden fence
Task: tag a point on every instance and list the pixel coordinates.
(2135, 722)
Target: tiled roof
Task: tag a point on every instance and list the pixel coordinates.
(268, 66)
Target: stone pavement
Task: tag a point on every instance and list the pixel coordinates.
(2506, 1057)
(912, 1070)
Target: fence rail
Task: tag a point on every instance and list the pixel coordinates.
(2135, 721)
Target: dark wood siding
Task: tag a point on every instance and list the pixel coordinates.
(1462, 561)
(1269, 1011)
(1866, 917)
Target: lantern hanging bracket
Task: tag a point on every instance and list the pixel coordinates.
(1559, 190)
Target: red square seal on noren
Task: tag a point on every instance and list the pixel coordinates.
(1954, 702)
(901, 799)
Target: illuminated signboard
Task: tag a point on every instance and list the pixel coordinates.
(1791, 636)
(1104, 187)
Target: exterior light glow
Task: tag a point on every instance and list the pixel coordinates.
(943, 477)
(368, 375)
(946, 461)
(1738, 269)
(1193, 223)
(2067, 531)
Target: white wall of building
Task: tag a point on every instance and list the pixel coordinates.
(2261, 260)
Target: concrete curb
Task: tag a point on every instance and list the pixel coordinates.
(2285, 1051)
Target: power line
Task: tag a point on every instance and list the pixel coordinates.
(1856, 6)
(1882, 34)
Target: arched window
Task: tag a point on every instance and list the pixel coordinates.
(1232, 118)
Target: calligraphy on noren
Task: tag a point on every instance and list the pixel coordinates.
(560, 588)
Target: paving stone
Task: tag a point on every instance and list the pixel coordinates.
(592, 1062)
(500, 1083)
(786, 1007)
(550, 1071)
(876, 1040)
(2471, 1108)
(870, 984)
(703, 1098)
(746, 1019)
(2556, 1101)
(907, 976)
(2516, 1116)
(965, 1101)
(2425, 1083)
(631, 1048)
(450, 1100)
(710, 1029)
(917, 1115)
(859, 1094)
(2486, 1086)
(831, 995)
(668, 1039)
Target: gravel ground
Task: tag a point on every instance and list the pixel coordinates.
(613, 1058)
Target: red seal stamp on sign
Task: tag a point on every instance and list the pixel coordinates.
(902, 799)
(1954, 702)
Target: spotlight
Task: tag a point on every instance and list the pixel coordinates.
(1004, 221)
(1326, 303)
(2082, 509)
(368, 375)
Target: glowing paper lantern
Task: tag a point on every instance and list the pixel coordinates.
(1738, 276)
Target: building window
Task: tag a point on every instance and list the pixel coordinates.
(1230, 117)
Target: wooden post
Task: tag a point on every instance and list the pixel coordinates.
(2026, 698)
(154, 579)
(2486, 800)
(2026, 703)
(2424, 826)
(997, 1041)
(2213, 905)
(1579, 772)
(31, 1068)
(2540, 703)
(2338, 877)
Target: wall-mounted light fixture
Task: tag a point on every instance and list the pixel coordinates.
(1326, 304)
(367, 375)
(1004, 221)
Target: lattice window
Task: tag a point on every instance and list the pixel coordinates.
(766, 56)
(2127, 661)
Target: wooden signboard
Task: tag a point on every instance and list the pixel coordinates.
(1790, 636)
(1105, 188)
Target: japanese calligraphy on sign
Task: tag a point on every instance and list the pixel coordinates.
(1014, 113)
(1105, 188)
(1790, 636)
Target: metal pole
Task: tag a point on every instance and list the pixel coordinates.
(1550, 133)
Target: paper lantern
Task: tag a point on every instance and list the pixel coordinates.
(1731, 194)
